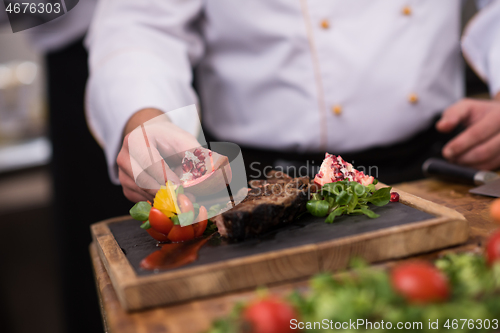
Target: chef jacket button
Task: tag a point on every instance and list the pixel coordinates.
(413, 98)
(406, 10)
(337, 110)
(325, 24)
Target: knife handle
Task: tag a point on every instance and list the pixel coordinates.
(452, 172)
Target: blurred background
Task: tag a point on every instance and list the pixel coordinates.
(33, 282)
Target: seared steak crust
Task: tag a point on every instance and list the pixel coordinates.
(270, 203)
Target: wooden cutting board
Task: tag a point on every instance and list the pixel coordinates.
(303, 248)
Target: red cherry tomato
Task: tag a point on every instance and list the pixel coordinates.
(269, 315)
(495, 210)
(199, 228)
(181, 234)
(159, 221)
(420, 282)
(493, 249)
(184, 203)
(157, 235)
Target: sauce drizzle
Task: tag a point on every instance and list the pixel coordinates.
(173, 255)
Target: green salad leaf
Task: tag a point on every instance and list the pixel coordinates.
(211, 228)
(346, 197)
(381, 197)
(179, 190)
(146, 225)
(213, 210)
(183, 219)
(318, 208)
(140, 211)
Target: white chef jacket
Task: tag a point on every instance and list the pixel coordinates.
(290, 75)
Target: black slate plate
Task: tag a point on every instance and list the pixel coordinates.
(137, 244)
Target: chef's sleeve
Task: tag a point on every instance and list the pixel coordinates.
(481, 43)
(141, 55)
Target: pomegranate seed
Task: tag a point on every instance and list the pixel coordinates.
(394, 197)
(209, 153)
(320, 174)
(201, 168)
(196, 173)
(201, 157)
(197, 152)
(187, 165)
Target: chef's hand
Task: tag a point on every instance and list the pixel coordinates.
(139, 175)
(478, 146)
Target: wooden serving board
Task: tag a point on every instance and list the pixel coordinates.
(300, 249)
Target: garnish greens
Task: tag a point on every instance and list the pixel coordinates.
(345, 197)
(366, 293)
(141, 210)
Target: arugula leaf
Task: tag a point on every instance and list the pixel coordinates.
(186, 218)
(359, 189)
(213, 210)
(316, 196)
(352, 204)
(370, 188)
(334, 188)
(318, 208)
(368, 212)
(146, 225)
(175, 220)
(179, 190)
(337, 212)
(381, 197)
(343, 198)
(211, 228)
(196, 207)
(330, 200)
(140, 211)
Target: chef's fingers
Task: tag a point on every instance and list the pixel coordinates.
(131, 190)
(129, 165)
(454, 115)
(147, 183)
(142, 178)
(162, 173)
(172, 142)
(474, 135)
(141, 148)
(482, 154)
(492, 164)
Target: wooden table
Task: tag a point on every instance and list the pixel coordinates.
(196, 316)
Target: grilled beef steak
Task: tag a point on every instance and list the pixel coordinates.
(269, 203)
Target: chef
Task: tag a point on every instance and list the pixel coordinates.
(288, 80)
